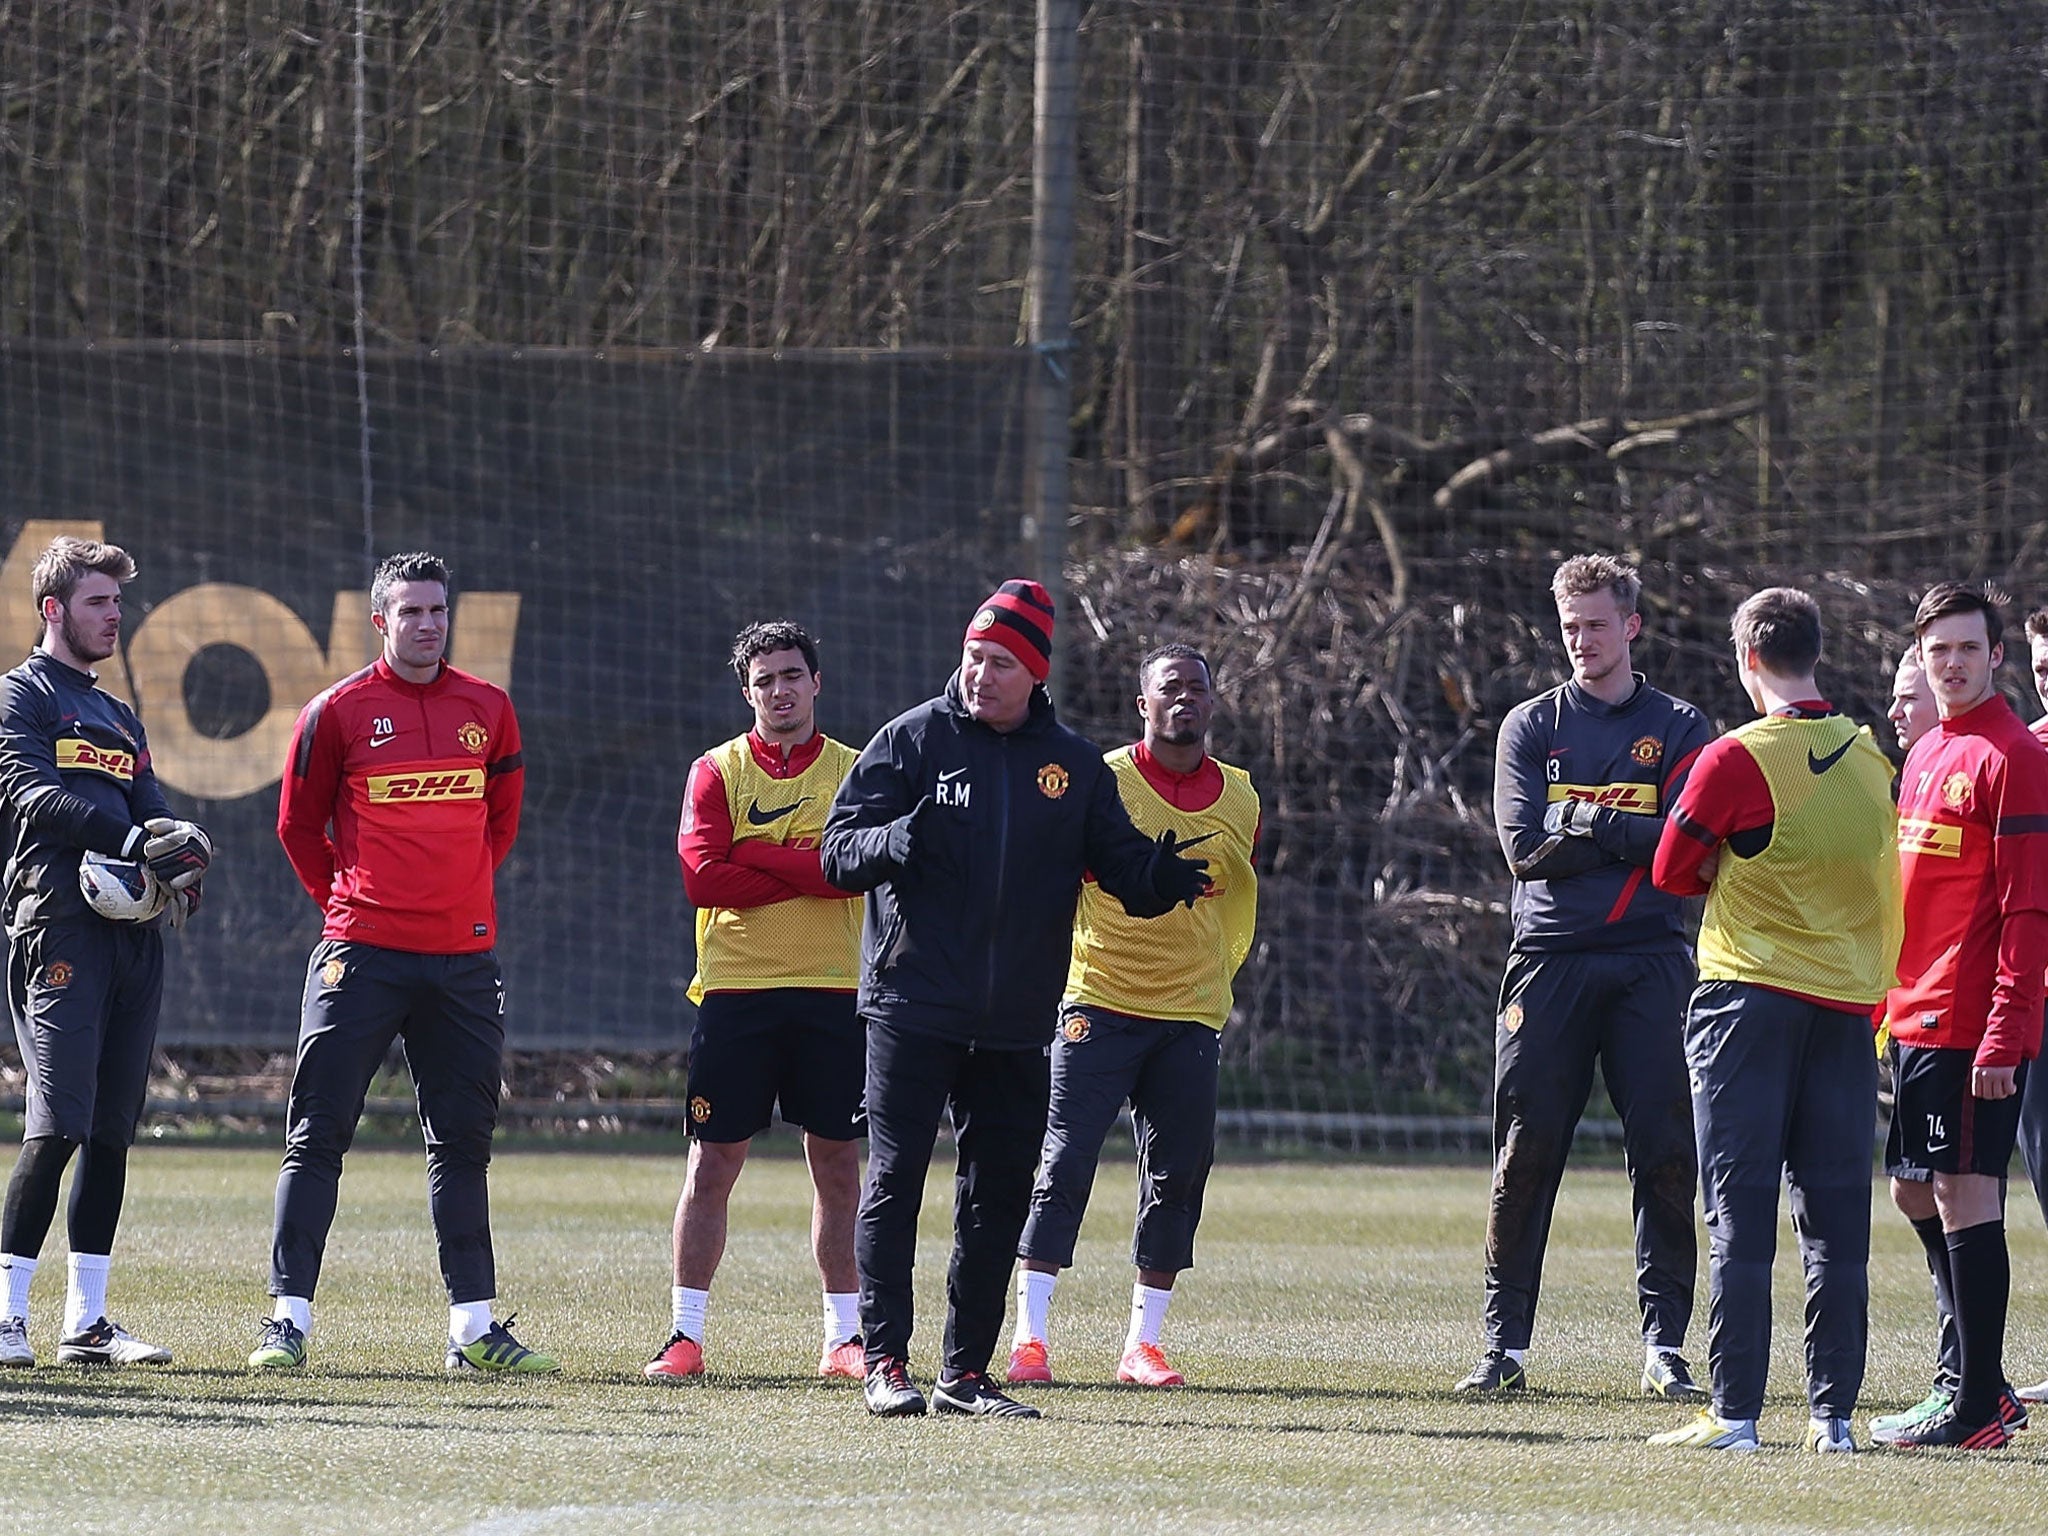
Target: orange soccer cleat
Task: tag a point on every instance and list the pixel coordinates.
(1029, 1362)
(1145, 1365)
(848, 1358)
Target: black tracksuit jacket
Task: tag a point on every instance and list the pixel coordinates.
(972, 941)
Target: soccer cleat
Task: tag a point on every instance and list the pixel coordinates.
(681, 1358)
(108, 1343)
(848, 1358)
(1830, 1437)
(1945, 1431)
(890, 1392)
(974, 1394)
(498, 1353)
(1030, 1362)
(1145, 1365)
(14, 1350)
(2037, 1393)
(2012, 1410)
(282, 1347)
(1884, 1427)
(1710, 1432)
(1497, 1371)
(1666, 1375)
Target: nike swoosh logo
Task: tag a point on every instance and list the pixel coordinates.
(1823, 764)
(760, 818)
(379, 741)
(947, 778)
(1183, 847)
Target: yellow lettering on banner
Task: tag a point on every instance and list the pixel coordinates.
(295, 665)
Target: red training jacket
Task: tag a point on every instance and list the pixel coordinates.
(1973, 850)
(400, 801)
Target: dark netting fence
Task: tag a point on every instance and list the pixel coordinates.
(1378, 309)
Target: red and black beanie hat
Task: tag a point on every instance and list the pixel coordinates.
(1018, 617)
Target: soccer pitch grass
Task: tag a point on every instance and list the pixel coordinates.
(1333, 1306)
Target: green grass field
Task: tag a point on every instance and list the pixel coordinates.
(1333, 1305)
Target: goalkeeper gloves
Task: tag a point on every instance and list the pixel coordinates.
(1570, 818)
(177, 852)
(1181, 881)
(179, 909)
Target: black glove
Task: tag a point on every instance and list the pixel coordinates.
(1570, 818)
(903, 834)
(1180, 881)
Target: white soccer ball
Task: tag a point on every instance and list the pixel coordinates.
(121, 890)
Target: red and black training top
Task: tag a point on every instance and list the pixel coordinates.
(1973, 853)
(399, 803)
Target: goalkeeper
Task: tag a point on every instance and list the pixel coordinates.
(84, 991)
(1598, 970)
(969, 821)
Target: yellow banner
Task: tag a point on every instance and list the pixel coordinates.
(73, 753)
(451, 784)
(1932, 839)
(1635, 799)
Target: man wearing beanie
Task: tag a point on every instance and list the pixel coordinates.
(969, 821)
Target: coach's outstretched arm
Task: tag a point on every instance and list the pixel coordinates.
(1149, 878)
(871, 830)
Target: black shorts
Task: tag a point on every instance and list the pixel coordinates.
(799, 1046)
(1938, 1125)
(84, 995)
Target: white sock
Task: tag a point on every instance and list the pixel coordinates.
(1148, 1312)
(687, 1310)
(1034, 1303)
(85, 1297)
(19, 1272)
(842, 1317)
(469, 1321)
(298, 1310)
(1516, 1355)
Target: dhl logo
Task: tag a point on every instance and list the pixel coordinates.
(73, 753)
(1634, 799)
(1930, 839)
(454, 784)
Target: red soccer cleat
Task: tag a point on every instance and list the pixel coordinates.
(1029, 1362)
(1145, 1365)
(680, 1358)
(848, 1359)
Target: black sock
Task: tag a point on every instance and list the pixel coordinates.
(1980, 1269)
(1948, 1359)
(32, 1194)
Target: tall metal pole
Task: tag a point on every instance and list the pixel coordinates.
(1049, 304)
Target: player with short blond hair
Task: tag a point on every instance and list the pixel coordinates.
(1597, 973)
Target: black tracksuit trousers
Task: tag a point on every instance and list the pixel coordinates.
(997, 1099)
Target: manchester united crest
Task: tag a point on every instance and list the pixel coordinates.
(474, 738)
(986, 619)
(57, 974)
(1511, 1017)
(1955, 791)
(700, 1109)
(1648, 751)
(1052, 781)
(1075, 1027)
(332, 972)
